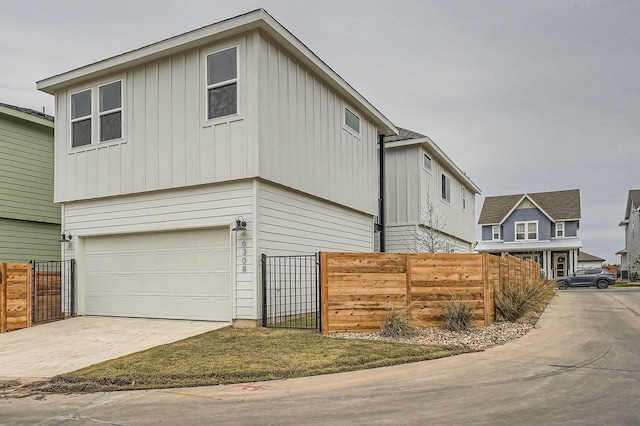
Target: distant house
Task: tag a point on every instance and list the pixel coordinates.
(164, 151)
(419, 173)
(630, 255)
(539, 226)
(29, 219)
(586, 260)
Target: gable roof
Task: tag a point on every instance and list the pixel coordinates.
(27, 114)
(255, 20)
(586, 257)
(409, 138)
(558, 205)
(633, 198)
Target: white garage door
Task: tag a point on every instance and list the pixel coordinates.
(178, 274)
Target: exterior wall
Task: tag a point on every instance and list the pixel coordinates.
(29, 220)
(632, 232)
(167, 140)
(520, 215)
(487, 232)
(401, 239)
(187, 208)
(292, 223)
(303, 141)
(288, 129)
(589, 264)
(410, 187)
(571, 229)
(23, 241)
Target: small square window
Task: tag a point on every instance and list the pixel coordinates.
(560, 229)
(352, 120)
(495, 232)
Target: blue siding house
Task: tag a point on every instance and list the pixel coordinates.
(539, 226)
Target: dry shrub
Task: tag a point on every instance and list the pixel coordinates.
(530, 297)
(398, 324)
(458, 315)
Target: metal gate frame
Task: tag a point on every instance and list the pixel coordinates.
(291, 296)
(53, 290)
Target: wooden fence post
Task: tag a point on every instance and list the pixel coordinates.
(324, 291)
(3, 297)
(486, 289)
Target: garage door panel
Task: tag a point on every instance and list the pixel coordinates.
(181, 275)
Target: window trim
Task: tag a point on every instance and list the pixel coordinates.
(493, 233)
(564, 230)
(445, 188)
(228, 82)
(96, 114)
(526, 230)
(348, 128)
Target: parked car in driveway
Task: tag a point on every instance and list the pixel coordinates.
(601, 278)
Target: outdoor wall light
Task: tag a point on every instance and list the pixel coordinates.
(241, 225)
(65, 237)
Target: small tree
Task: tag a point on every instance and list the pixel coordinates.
(432, 239)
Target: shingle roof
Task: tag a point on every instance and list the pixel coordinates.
(403, 135)
(560, 205)
(586, 257)
(29, 111)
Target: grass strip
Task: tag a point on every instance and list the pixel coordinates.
(233, 355)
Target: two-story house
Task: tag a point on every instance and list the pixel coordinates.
(29, 219)
(430, 202)
(179, 163)
(630, 255)
(539, 226)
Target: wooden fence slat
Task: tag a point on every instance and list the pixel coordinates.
(359, 289)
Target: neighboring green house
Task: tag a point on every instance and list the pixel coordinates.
(29, 220)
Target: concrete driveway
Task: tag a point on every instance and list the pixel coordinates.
(50, 349)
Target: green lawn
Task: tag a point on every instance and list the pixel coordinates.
(235, 355)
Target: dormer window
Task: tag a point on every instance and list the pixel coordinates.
(560, 230)
(222, 83)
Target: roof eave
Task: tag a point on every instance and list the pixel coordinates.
(434, 149)
(25, 116)
(258, 19)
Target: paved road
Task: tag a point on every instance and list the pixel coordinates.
(581, 366)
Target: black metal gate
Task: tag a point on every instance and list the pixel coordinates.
(53, 290)
(291, 291)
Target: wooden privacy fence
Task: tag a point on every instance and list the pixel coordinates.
(15, 296)
(359, 289)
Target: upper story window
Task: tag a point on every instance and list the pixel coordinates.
(560, 229)
(526, 231)
(446, 188)
(107, 114)
(495, 232)
(222, 83)
(351, 120)
(426, 161)
(464, 198)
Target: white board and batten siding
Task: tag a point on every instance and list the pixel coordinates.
(209, 209)
(167, 141)
(289, 129)
(304, 143)
(408, 184)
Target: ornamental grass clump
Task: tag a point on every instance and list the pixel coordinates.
(457, 316)
(398, 324)
(528, 298)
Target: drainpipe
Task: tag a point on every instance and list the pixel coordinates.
(383, 243)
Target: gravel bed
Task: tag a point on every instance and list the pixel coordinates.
(477, 338)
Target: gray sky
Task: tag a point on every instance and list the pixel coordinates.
(524, 96)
